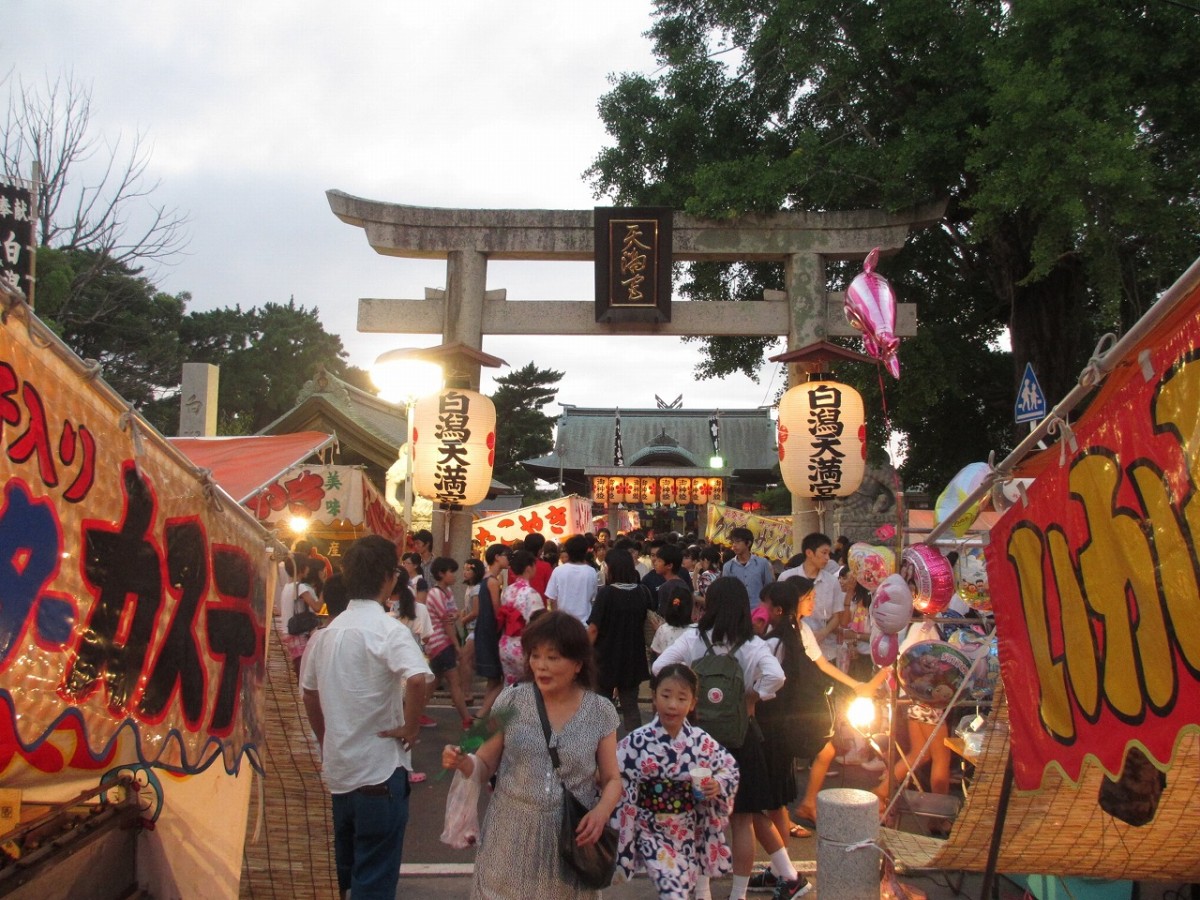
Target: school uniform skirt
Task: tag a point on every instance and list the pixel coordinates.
(754, 792)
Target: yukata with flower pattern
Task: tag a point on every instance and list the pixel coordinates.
(673, 848)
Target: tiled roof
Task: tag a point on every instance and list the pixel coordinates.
(585, 438)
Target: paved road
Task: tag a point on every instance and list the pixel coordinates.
(432, 869)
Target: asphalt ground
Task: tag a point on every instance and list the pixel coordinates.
(434, 870)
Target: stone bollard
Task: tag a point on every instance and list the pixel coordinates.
(847, 816)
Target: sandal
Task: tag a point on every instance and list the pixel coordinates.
(799, 831)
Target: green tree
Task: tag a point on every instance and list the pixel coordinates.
(1060, 134)
(266, 354)
(523, 430)
(106, 311)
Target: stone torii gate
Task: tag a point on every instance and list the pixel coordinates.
(465, 310)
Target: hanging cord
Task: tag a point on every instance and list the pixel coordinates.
(1058, 425)
(1097, 365)
(210, 490)
(130, 422)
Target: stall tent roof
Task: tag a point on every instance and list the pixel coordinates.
(243, 465)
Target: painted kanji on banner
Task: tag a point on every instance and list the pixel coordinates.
(132, 602)
(1095, 582)
(772, 537)
(556, 519)
(327, 494)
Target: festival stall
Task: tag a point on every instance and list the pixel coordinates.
(556, 519)
(1093, 579)
(335, 505)
(135, 599)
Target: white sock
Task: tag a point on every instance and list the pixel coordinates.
(781, 864)
(703, 888)
(737, 890)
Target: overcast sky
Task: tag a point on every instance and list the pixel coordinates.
(255, 108)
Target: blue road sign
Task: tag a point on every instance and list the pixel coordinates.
(1031, 401)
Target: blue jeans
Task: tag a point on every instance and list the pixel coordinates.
(368, 837)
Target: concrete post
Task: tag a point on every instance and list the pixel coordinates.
(804, 279)
(198, 400)
(848, 817)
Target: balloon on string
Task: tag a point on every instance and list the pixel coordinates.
(871, 308)
(987, 673)
(870, 565)
(961, 486)
(971, 577)
(884, 647)
(931, 672)
(929, 577)
(892, 605)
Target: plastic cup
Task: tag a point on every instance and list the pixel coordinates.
(700, 776)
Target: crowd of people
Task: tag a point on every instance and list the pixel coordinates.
(738, 657)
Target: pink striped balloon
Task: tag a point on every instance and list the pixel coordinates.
(871, 308)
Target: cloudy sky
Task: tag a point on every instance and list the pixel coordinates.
(255, 108)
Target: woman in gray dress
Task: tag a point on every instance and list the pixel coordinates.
(518, 847)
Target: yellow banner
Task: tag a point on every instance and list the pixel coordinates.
(132, 596)
(772, 536)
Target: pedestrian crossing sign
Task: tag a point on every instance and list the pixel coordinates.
(1031, 401)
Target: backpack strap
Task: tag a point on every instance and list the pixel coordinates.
(708, 647)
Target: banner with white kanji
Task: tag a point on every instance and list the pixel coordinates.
(556, 519)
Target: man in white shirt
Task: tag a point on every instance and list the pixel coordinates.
(826, 617)
(365, 684)
(572, 585)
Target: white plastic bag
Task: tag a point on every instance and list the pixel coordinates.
(461, 829)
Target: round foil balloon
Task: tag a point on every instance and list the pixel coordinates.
(883, 648)
(970, 573)
(870, 565)
(931, 672)
(892, 605)
(870, 307)
(930, 578)
(987, 672)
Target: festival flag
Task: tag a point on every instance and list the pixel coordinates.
(714, 430)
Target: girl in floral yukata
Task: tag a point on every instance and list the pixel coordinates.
(667, 825)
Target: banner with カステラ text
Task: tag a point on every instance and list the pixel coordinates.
(132, 595)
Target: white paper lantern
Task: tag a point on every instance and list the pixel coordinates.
(454, 439)
(822, 439)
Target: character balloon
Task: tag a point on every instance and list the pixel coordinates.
(931, 672)
(971, 574)
(870, 565)
(871, 308)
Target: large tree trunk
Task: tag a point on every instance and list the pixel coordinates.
(1049, 328)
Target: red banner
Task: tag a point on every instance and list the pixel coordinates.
(132, 600)
(1095, 582)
